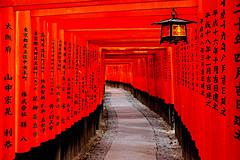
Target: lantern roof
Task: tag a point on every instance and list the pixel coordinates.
(173, 21)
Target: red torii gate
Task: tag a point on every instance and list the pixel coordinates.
(86, 27)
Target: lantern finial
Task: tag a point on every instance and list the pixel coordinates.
(173, 13)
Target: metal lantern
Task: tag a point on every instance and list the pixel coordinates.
(174, 29)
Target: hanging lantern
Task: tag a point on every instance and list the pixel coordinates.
(173, 30)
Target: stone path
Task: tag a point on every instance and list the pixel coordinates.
(135, 138)
(134, 132)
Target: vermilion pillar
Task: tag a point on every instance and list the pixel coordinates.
(233, 79)
(35, 81)
(7, 83)
(23, 117)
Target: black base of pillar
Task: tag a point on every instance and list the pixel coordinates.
(69, 143)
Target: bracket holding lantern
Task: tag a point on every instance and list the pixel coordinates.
(174, 29)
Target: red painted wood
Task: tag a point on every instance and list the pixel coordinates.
(90, 31)
(23, 82)
(7, 83)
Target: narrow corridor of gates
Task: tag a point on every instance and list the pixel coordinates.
(57, 56)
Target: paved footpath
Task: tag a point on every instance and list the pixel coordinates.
(135, 138)
(134, 132)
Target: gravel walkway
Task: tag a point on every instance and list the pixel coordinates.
(134, 132)
(104, 145)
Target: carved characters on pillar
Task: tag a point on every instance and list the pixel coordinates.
(236, 57)
(43, 106)
(7, 83)
(35, 81)
(213, 58)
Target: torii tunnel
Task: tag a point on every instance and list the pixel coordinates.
(57, 57)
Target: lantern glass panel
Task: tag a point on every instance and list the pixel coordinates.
(178, 30)
(166, 31)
